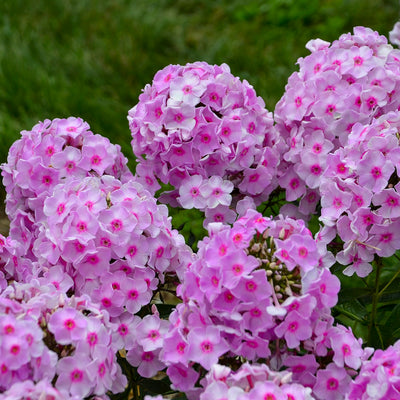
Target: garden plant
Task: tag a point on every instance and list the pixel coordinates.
(290, 292)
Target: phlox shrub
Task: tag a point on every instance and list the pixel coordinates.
(100, 295)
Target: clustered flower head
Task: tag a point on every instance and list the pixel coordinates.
(112, 239)
(261, 290)
(353, 80)
(55, 345)
(51, 153)
(360, 198)
(83, 257)
(379, 377)
(205, 132)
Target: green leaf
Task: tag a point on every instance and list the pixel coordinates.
(354, 310)
(391, 328)
(165, 310)
(155, 386)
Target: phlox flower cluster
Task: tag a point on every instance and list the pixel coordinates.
(360, 198)
(252, 381)
(9, 265)
(112, 239)
(379, 378)
(353, 80)
(205, 132)
(58, 345)
(33, 391)
(260, 291)
(51, 153)
(83, 257)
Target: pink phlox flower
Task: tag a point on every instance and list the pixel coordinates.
(101, 372)
(255, 180)
(214, 95)
(385, 238)
(328, 108)
(235, 266)
(190, 194)
(332, 383)
(311, 169)
(183, 378)
(347, 349)
(217, 191)
(162, 79)
(124, 331)
(72, 128)
(57, 207)
(206, 345)
(67, 162)
(14, 350)
(267, 390)
(96, 154)
(317, 44)
(118, 222)
(374, 171)
(33, 390)
(394, 34)
(294, 329)
(361, 195)
(293, 184)
(187, 89)
(336, 166)
(210, 282)
(219, 390)
(73, 377)
(304, 304)
(373, 98)
(389, 202)
(146, 177)
(148, 362)
(175, 348)
(74, 251)
(179, 117)
(80, 225)
(253, 288)
(255, 318)
(109, 299)
(220, 213)
(324, 288)
(58, 278)
(304, 251)
(284, 253)
(179, 155)
(151, 331)
(309, 201)
(356, 262)
(300, 101)
(136, 294)
(68, 325)
(360, 61)
(43, 179)
(302, 367)
(205, 139)
(97, 339)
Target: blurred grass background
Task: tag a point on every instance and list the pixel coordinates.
(92, 58)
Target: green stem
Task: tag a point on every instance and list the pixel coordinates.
(375, 299)
(389, 283)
